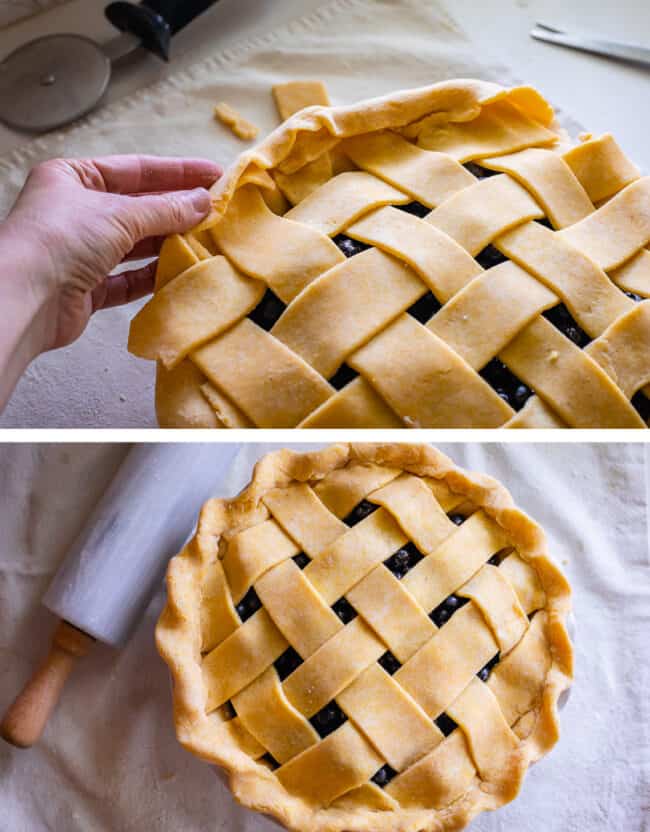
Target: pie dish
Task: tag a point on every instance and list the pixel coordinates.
(438, 257)
(367, 638)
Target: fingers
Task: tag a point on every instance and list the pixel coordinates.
(134, 174)
(162, 214)
(149, 247)
(125, 287)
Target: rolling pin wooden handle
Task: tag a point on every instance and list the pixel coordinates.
(26, 718)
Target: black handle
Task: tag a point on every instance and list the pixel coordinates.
(178, 13)
(155, 21)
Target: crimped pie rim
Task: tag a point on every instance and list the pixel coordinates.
(178, 637)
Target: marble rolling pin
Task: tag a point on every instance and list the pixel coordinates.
(117, 563)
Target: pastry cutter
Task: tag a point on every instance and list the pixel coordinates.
(53, 80)
(116, 564)
(629, 52)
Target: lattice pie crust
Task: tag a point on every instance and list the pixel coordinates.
(367, 638)
(439, 257)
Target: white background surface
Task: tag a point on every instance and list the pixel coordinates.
(109, 761)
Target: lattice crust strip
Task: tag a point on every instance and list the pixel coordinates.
(367, 629)
(437, 258)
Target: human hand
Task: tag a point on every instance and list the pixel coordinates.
(73, 223)
(80, 218)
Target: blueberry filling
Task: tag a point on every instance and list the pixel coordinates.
(348, 246)
(489, 257)
(545, 222)
(478, 171)
(511, 389)
(344, 609)
(562, 319)
(425, 308)
(495, 560)
(636, 298)
(287, 663)
(267, 311)
(383, 776)
(443, 612)
(403, 560)
(344, 375)
(248, 605)
(301, 560)
(641, 404)
(484, 672)
(270, 759)
(359, 512)
(415, 208)
(389, 663)
(446, 724)
(328, 719)
(458, 519)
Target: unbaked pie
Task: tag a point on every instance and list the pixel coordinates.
(439, 257)
(367, 638)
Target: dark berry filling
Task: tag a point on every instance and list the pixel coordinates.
(415, 208)
(359, 512)
(641, 404)
(272, 762)
(636, 298)
(344, 609)
(425, 308)
(511, 389)
(495, 560)
(229, 710)
(443, 612)
(268, 310)
(446, 724)
(562, 319)
(287, 663)
(344, 375)
(478, 171)
(248, 605)
(301, 560)
(403, 560)
(489, 257)
(384, 776)
(545, 222)
(389, 663)
(328, 719)
(348, 246)
(484, 672)
(458, 519)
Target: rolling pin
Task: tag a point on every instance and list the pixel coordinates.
(116, 564)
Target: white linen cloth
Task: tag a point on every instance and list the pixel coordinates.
(360, 48)
(109, 760)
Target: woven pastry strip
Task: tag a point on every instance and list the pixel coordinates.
(439, 666)
(351, 273)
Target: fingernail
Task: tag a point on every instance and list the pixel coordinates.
(200, 199)
(214, 172)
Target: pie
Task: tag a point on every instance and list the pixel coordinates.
(367, 638)
(438, 257)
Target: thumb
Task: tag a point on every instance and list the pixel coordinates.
(161, 214)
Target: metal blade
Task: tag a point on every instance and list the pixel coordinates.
(629, 52)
